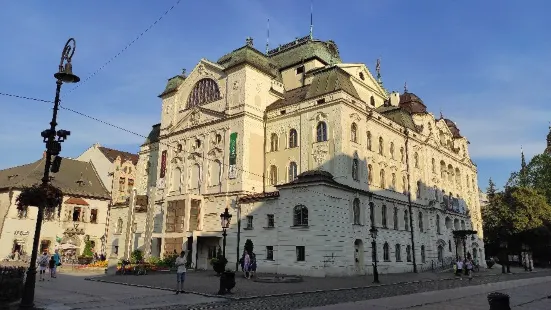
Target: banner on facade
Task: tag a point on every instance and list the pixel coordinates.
(232, 171)
(163, 164)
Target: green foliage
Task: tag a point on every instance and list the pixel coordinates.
(169, 260)
(154, 261)
(249, 246)
(87, 252)
(536, 175)
(136, 256)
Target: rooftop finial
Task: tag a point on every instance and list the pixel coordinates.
(378, 69)
(441, 115)
(268, 36)
(184, 72)
(405, 87)
(249, 41)
(311, 20)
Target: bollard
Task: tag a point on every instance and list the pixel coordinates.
(498, 301)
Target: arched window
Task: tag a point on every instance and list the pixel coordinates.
(408, 253)
(381, 145)
(273, 175)
(392, 150)
(300, 216)
(386, 252)
(369, 174)
(372, 101)
(438, 223)
(393, 181)
(433, 166)
(406, 220)
(440, 253)
(384, 216)
(118, 229)
(176, 179)
(382, 178)
(421, 224)
(450, 173)
(458, 177)
(398, 253)
(423, 258)
(292, 171)
(372, 213)
(463, 225)
(321, 132)
(274, 142)
(355, 172)
(354, 133)
(204, 91)
(215, 173)
(293, 138)
(368, 140)
(195, 176)
(395, 218)
(356, 211)
(443, 170)
(416, 160)
(418, 189)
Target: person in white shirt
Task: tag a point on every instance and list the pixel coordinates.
(181, 272)
(42, 265)
(459, 268)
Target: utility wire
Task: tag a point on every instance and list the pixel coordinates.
(126, 47)
(142, 136)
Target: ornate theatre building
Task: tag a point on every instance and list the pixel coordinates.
(310, 153)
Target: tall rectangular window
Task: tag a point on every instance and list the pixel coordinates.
(269, 252)
(271, 221)
(301, 253)
(249, 222)
(94, 216)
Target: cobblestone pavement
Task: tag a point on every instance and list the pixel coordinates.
(73, 292)
(206, 282)
(317, 299)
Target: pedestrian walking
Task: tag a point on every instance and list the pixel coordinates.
(42, 265)
(57, 263)
(459, 272)
(247, 265)
(51, 267)
(252, 272)
(469, 267)
(181, 272)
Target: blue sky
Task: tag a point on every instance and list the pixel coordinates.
(485, 64)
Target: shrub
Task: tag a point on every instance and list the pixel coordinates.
(169, 260)
(249, 246)
(136, 256)
(87, 252)
(11, 283)
(154, 260)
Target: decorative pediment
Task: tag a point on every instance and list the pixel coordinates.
(176, 159)
(368, 78)
(320, 116)
(194, 156)
(206, 69)
(215, 152)
(355, 117)
(195, 117)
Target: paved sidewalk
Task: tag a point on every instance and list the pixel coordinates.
(525, 294)
(206, 282)
(73, 292)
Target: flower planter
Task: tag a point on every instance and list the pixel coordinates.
(85, 260)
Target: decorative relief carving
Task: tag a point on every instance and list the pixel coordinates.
(235, 85)
(215, 152)
(195, 118)
(355, 117)
(319, 117)
(320, 153)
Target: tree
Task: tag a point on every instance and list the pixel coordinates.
(87, 252)
(249, 246)
(536, 175)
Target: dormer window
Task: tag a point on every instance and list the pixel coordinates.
(218, 138)
(300, 70)
(362, 77)
(197, 143)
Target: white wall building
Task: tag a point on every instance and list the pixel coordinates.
(313, 151)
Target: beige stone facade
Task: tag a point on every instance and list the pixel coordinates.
(239, 132)
(84, 212)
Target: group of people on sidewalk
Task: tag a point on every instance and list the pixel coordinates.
(464, 266)
(48, 262)
(248, 264)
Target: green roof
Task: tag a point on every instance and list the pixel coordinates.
(251, 56)
(173, 84)
(75, 178)
(304, 49)
(397, 115)
(153, 135)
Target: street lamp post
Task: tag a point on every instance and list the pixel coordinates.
(456, 242)
(53, 140)
(225, 220)
(373, 232)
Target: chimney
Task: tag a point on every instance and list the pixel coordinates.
(394, 98)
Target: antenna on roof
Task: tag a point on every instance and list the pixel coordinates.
(405, 87)
(268, 36)
(311, 19)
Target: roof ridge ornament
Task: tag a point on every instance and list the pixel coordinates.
(405, 87)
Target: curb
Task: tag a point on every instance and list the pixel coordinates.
(290, 293)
